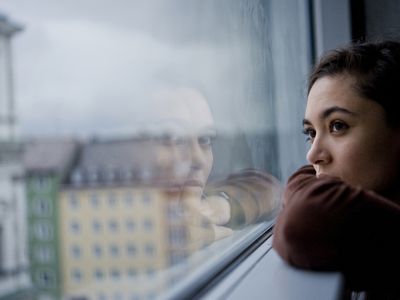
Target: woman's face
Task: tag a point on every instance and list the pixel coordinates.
(349, 136)
(183, 156)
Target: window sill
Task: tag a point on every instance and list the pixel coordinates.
(264, 274)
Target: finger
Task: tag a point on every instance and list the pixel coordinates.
(221, 231)
(219, 210)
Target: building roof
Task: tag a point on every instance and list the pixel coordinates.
(112, 161)
(113, 153)
(49, 155)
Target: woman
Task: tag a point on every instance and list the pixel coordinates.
(343, 212)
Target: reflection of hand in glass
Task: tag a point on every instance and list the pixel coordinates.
(253, 196)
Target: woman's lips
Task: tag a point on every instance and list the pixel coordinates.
(318, 171)
(194, 182)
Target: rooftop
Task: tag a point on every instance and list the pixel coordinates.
(49, 155)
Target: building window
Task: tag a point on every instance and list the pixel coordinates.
(75, 227)
(98, 274)
(177, 236)
(45, 278)
(175, 212)
(149, 250)
(146, 198)
(110, 175)
(76, 251)
(76, 275)
(94, 200)
(113, 225)
(42, 183)
(130, 225)
(97, 250)
(115, 273)
(42, 207)
(129, 199)
(96, 226)
(73, 201)
(132, 272)
(114, 250)
(93, 176)
(147, 224)
(112, 200)
(126, 175)
(77, 177)
(43, 254)
(131, 249)
(43, 230)
(150, 271)
(177, 257)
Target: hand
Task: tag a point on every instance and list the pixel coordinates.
(210, 213)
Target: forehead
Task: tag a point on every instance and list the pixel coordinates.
(336, 91)
(181, 109)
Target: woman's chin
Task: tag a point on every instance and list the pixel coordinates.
(193, 191)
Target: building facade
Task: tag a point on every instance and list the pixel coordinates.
(46, 163)
(117, 226)
(14, 263)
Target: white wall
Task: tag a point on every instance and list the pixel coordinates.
(13, 220)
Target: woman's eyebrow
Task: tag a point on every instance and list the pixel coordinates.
(333, 109)
(327, 112)
(209, 130)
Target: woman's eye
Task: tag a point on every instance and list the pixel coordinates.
(338, 126)
(205, 140)
(310, 133)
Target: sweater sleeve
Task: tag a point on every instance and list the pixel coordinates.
(326, 224)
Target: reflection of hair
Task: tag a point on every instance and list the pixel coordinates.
(375, 68)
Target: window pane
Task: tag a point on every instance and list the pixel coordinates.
(151, 138)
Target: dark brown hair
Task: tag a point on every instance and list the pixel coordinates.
(375, 66)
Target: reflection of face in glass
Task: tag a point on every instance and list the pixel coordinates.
(184, 132)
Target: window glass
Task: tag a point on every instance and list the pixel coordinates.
(42, 183)
(43, 206)
(43, 230)
(94, 200)
(43, 254)
(45, 278)
(156, 134)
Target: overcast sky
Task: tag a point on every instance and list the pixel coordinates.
(86, 66)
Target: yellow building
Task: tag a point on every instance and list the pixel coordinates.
(110, 232)
(114, 227)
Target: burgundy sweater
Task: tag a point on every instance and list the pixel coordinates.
(326, 224)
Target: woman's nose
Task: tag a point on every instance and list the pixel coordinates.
(197, 155)
(319, 153)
